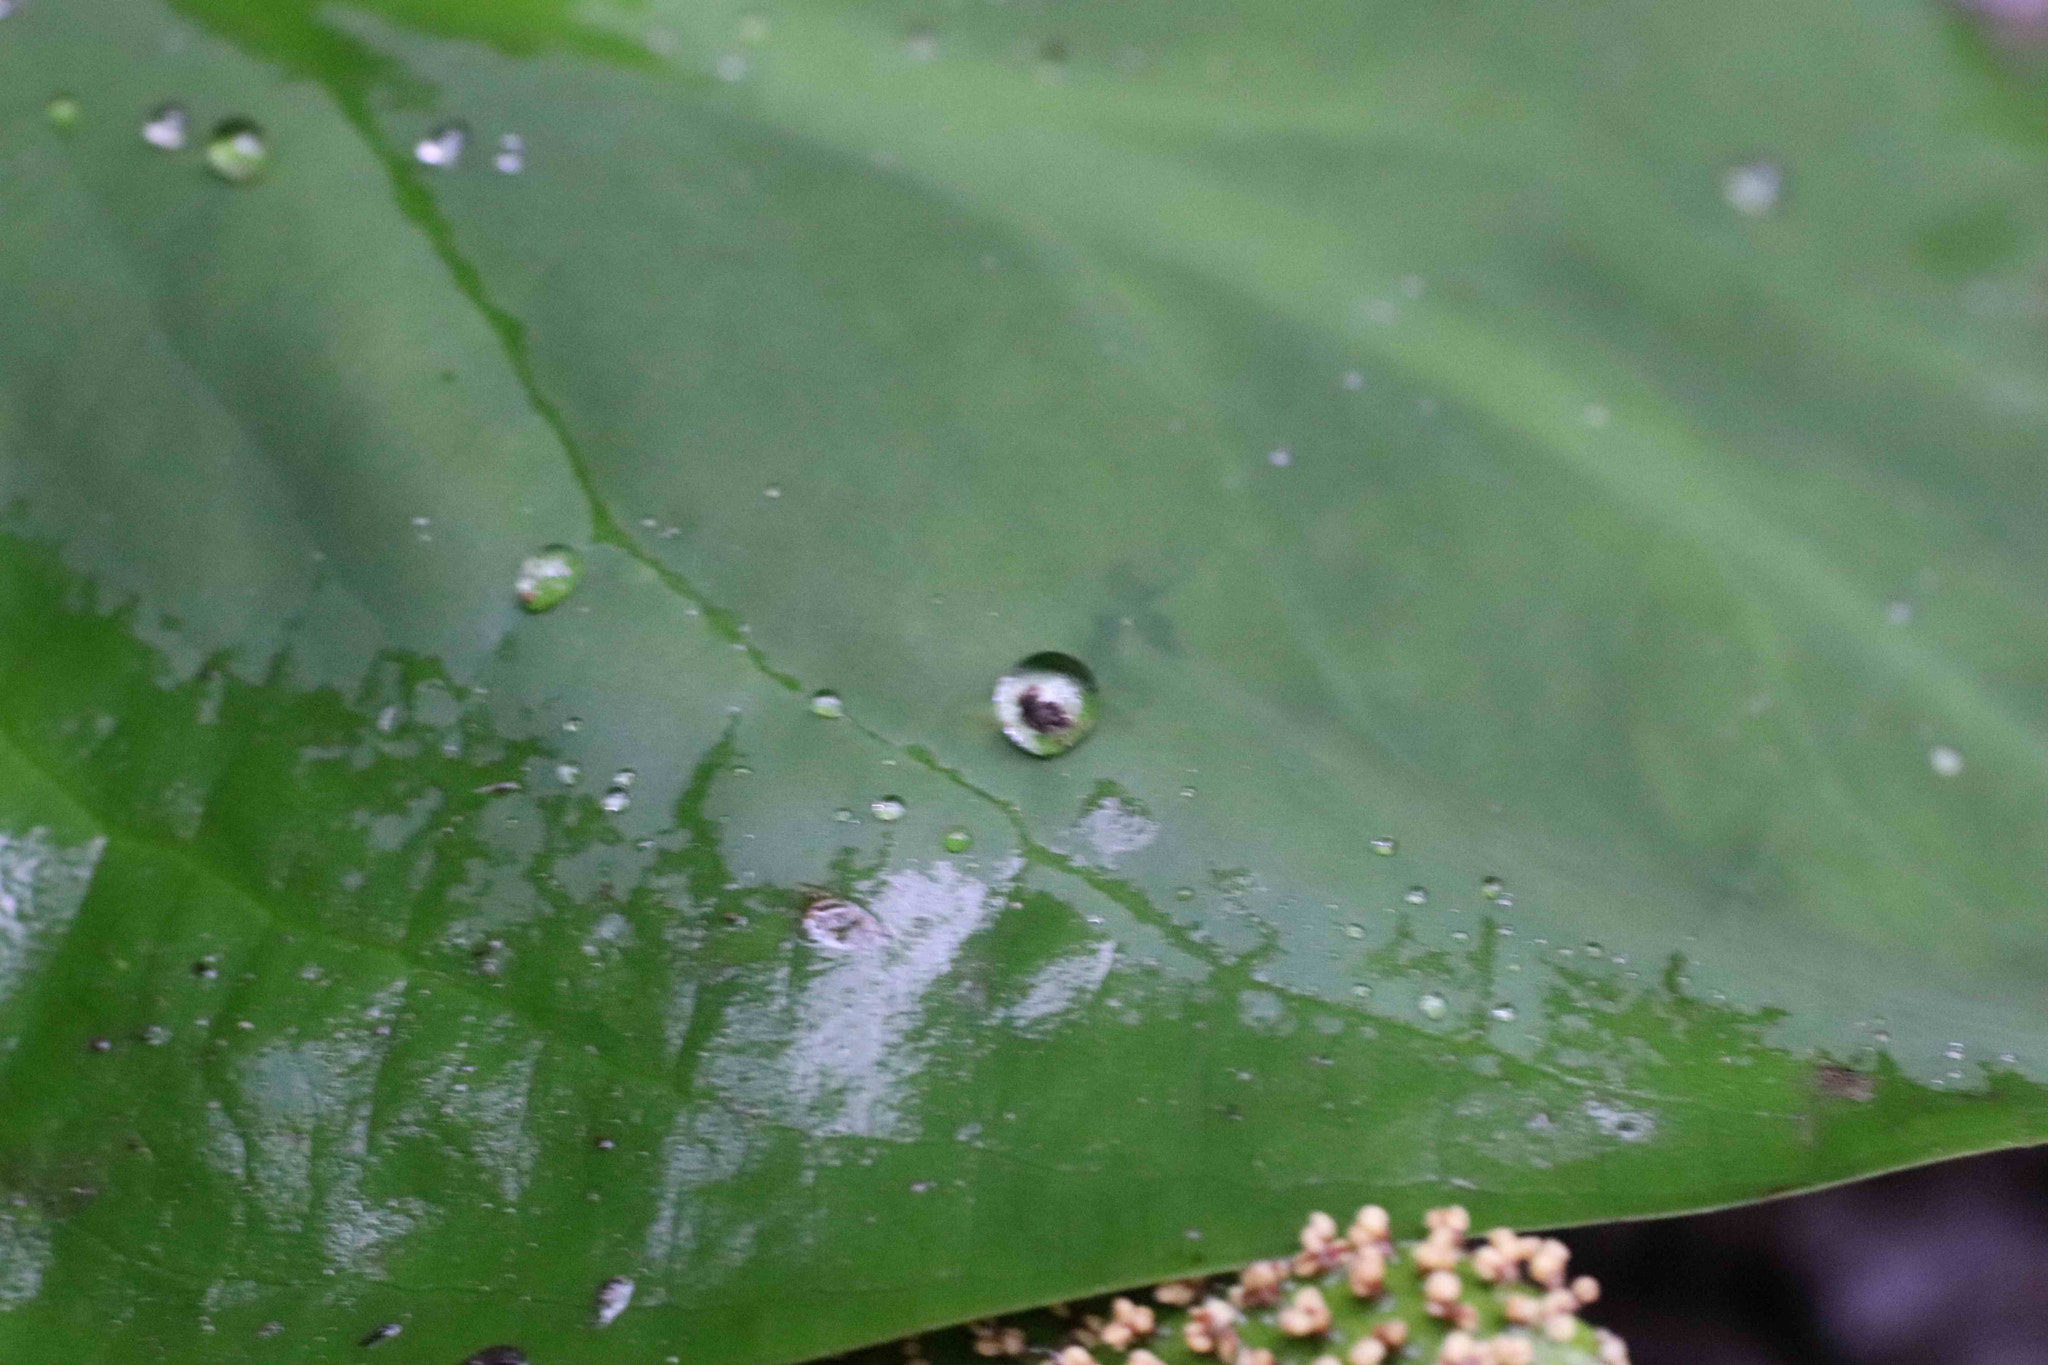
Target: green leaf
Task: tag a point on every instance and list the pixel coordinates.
(1592, 447)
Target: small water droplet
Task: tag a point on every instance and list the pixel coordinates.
(156, 1035)
(957, 839)
(1362, 991)
(1046, 703)
(840, 926)
(166, 128)
(1954, 1052)
(1416, 895)
(1503, 1013)
(772, 491)
(1432, 1005)
(615, 800)
(623, 777)
(1352, 380)
(1595, 950)
(1492, 888)
(1385, 847)
(381, 1333)
(547, 577)
(100, 1045)
(511, 157)
(237, 151)
(1354, 931)
(613, 1297)
(888, 809)
(828, 704)
(844, 815)
(63, 111)
(568, 773)
(1183, 893)
(1187, 793)
(1752, 189)
(1280, 459)
(1945, 761)
(442, 148)
(572, 725)
(1460, 936)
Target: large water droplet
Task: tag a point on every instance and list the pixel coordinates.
(1386, 848)
(957, 839)
(237, 150)
(63, 111)
(840, 926)
(613, 1296)
(828, 704)
(1752, 189)
(442, 148)
(888, 809)
(1046, 703)
(545, 578)
(166, 128)
(1432, 1005)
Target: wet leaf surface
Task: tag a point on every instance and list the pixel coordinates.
(1426, 427)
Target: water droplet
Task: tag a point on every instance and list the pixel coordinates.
(957, 839)
(1046, 703)
(840, 926)
(1280, 459)
(1945, 761)
(237, 150)
(63, 111)
(1362, 991)
(548, 577)
(889, 809)
(613, 1296)
(511, 157)
(1352, 380)
(100, 1045)
(615, 800)
(1184, 893)
(1460, 936)
(1354, 931)
(166, 128)
(828, 704)
(843, 815)
(1386, 848)
(623, 777)
(1752, 189)
(1503, 1013)
(442, 148)
(1493, 888)
(381, 1333)
(567, 773)
(1187, 793)
(1432, 1005)
(1954, 1052)
(572, 725)
(772, 491)
(1416, 895)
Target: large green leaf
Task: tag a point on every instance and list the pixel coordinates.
(1383, 398)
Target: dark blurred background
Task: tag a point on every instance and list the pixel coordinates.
(1944, 1265)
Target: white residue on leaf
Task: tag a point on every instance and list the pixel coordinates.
(706, 1147)
(1108, 830)
(1629, 1125)
(1063, 983)
(24, 1255)
(832, 1048)
(42, 884)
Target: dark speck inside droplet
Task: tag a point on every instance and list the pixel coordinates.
(1042, 713)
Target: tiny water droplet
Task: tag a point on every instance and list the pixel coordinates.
(442, 148)
(511, 157)
(1503, 1013)
(1046, 703)
(888, 809)
(63, 111)
(1595, 950)
(957, 839)
(1183, 893)
(1492, 888)
(1460, 936)
(772, 491)
(1416, 895)
(615, 800)
(567, 773)
(1945, 761)
(1362, 991)
(1354, 931)
(1752, 189)
(547, 577)
(572, 725)
(1187, 793)
(828, 704)
(1385, 847)
(1432, 1005)
(843, 815)
(613, 1297)
(166, 128)
(840, 926)
(237, 151)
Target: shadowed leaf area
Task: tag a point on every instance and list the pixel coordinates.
(1549, 501)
